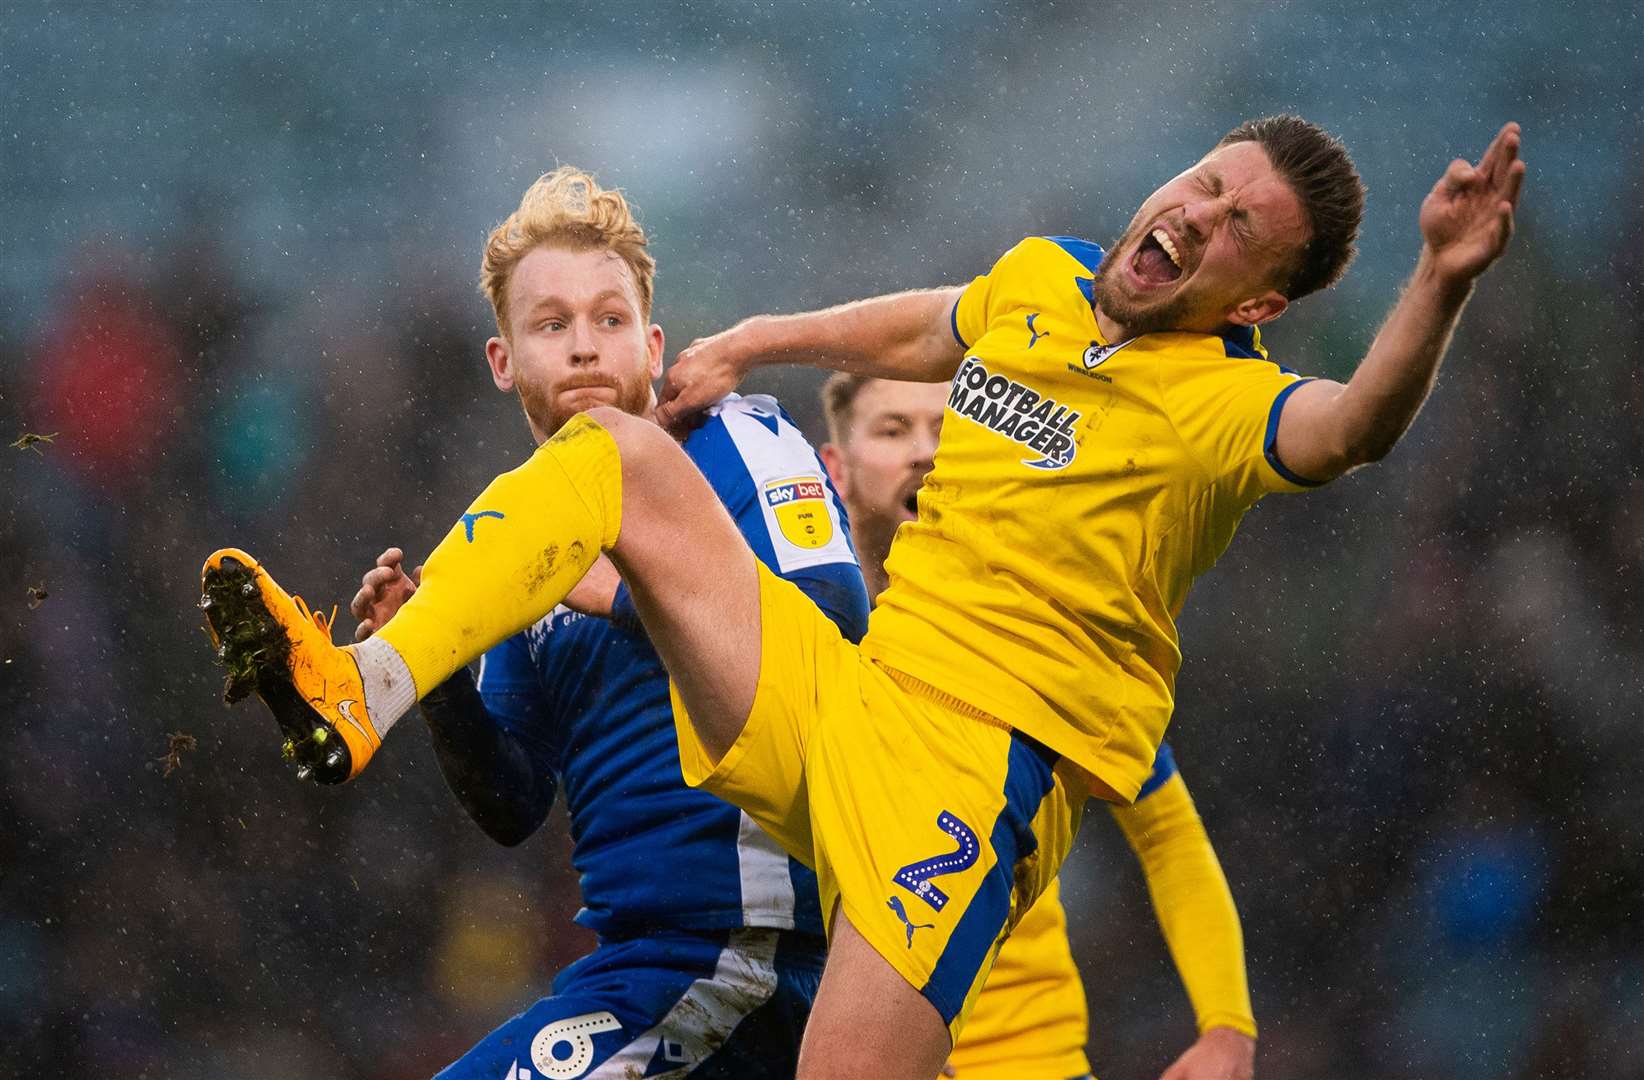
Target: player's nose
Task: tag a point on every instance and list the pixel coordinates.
(1200, 217)
(584, 348)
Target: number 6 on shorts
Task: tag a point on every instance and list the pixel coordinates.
(575, 1031)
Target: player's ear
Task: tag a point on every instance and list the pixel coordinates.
(499, 358)
(653, 345)
(1258, 309)
(834, 462)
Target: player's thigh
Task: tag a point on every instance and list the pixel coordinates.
(807, 670)
(691, 574)
(868, 1020)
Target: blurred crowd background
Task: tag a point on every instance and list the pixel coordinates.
(237, 259)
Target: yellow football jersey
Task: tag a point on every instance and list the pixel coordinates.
(1080, 487)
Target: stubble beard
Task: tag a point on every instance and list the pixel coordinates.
(1136, 318)
(547, 417)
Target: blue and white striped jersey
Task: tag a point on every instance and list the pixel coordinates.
(589, 698)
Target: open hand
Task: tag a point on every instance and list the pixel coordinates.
(1468, 217)
(383, 589)
(1220, 1054)
(705, 370)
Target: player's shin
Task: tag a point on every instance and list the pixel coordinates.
(511, 558)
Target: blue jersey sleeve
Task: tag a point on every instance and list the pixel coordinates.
(838, 590)
(495, 744)
(778, 492)
(513, 695)
(776, 488)
(834, 583)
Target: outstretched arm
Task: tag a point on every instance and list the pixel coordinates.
(1201, 927)
(1466, 221)
(906, 336)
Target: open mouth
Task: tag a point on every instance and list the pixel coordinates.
(1157, 262)
(911, 503)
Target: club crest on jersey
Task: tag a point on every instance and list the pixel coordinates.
(800, 504)
(1018, 412)
(1096, 355)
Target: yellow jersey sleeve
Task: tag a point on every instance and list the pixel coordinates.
(1226, 408)
(1010, 283)
(1193, 904)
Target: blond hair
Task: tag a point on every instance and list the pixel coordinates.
(565, 208)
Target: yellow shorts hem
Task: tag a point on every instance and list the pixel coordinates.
(695, 763)
(763, 770)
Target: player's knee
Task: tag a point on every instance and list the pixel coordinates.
(648, 453)
(615, 421)
(632, 434)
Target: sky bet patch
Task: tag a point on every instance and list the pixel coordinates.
(801, 507)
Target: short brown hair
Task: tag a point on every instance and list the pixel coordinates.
(1317, 166)
(839, 401)
(566, 208)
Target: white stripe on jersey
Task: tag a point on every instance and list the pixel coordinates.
(777, 460)
(767, 886)
(704, 1017)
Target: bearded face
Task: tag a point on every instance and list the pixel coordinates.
(1142, 311)
(577, 338)
(553, 401)
(1206, 250)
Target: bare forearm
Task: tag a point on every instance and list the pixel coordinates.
(900, 336)
(1378, 404)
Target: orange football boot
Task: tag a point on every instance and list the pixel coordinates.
(273, 644)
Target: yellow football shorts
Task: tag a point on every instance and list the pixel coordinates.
(1031, 1022)
(933, 826)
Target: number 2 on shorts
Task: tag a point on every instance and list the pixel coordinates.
(915, 877)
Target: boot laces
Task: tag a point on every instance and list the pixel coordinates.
(322, 621)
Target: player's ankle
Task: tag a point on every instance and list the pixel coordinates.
(390, 691)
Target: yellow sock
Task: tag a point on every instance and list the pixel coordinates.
(520, 548)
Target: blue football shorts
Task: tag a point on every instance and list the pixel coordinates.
(708, 1005)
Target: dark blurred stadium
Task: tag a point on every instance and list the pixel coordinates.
(237, 265)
